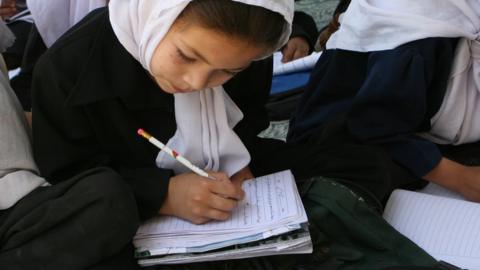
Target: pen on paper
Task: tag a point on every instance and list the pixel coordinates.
(173, 154)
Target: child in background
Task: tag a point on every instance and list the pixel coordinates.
(396, 94)
(302, 39)
(332, 26)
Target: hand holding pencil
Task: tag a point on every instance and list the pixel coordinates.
(200, 196)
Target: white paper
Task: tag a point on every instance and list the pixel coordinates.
(434, 189)
(301, 64)
(301, 244)
(447, 228)
(272, 206)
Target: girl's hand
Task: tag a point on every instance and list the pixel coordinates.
(199, 199)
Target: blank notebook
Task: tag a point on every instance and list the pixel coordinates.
(272, 207)
(439, 221)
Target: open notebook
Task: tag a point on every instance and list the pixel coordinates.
(441, 222)
(271, 220)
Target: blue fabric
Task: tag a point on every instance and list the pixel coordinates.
(283, 83)
(388, 97)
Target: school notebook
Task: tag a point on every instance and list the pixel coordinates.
(441, 222)
(271, 220)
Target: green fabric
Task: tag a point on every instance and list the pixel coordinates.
(347, 235)
(353, 235)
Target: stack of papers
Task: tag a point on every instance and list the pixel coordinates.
(272, 207)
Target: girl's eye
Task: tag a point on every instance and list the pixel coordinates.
(184, 57)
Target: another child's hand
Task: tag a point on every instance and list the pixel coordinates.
(457, 177)
(470, 186)
(199, 199)
(8, 9)
(296, 47)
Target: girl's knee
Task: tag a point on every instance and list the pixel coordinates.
(112, 195)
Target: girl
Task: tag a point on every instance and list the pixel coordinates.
(142, 64)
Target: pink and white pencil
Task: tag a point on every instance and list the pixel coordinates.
(173, 154)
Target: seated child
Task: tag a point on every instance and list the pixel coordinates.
(42, 225)
(392, 87)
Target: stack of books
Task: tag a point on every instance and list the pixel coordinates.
(271, 220)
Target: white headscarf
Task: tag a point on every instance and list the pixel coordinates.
(205, 119)
(54, 17)
(374, 25)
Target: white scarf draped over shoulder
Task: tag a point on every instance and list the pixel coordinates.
(54, 17)
(206, 118)
(18, 172)
(375, 25)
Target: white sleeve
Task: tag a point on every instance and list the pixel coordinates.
(16, 185)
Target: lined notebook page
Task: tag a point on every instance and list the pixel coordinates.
(448, 229)
(269, 200)
(434, 189)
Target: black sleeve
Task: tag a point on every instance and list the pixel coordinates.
(398, 96)
(304, 26)
(21, 83)
(65, 143)
(250, 90)
(385, 98)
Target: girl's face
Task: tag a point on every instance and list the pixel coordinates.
(192, 58)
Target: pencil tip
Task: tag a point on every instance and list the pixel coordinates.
(144, 134)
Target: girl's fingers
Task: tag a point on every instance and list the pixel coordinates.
(226, 189)
(217, 214)
(221, 203)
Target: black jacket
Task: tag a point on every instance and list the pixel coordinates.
(387, 97)
(304, 26)
(90, 96)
